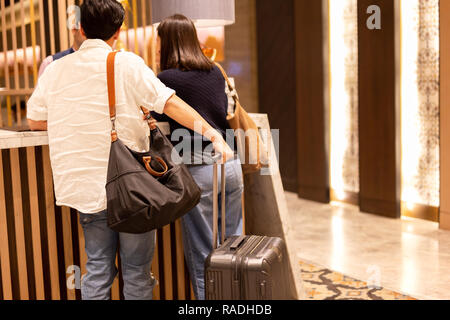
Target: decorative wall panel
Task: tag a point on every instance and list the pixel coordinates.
(344, 96)
(420, 102)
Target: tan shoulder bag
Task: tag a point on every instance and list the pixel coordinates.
(247, 135)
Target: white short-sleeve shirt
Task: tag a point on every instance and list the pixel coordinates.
(72, 96)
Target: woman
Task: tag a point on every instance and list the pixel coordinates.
(200, 83)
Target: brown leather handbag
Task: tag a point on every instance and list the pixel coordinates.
(247, 134)
(145, 191)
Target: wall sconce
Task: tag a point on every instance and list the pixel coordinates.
(204, 13)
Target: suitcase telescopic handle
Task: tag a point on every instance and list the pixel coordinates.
(237, 243)
(217, 159)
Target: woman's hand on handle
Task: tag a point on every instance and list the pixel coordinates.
(221, 147)
(182, 113)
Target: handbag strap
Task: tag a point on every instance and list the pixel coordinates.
(230, 85)
(110, 72)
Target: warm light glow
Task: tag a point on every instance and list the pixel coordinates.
(214, 32)
(20, 56)
(339, 98)
(337, 242)
(339, 195)
(411, 146)
(340, 95)
(213, 38)
(410, 206)
(416, 176)
(408, 262)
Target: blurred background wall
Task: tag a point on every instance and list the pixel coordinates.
(359, 110)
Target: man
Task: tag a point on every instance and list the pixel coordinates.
(78, 39)
(71, 100)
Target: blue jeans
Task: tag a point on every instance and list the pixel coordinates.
(197, 224)
(136, 254)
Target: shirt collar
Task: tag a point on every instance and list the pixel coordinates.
(94, 43)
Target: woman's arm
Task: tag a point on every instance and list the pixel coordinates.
(182, 113)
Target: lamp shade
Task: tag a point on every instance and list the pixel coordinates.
(204, 13)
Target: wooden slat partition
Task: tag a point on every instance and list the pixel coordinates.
(30, 192)
(35, 223)
(52, 27)
(34, 42)
(39, 241)
(68, 248)
(24, 45)
(115, 290)
(181, 288)
(19, 224)
(135, 26)
(144, 23)
(6, 277)
(5, 57)
(51, 224)
(167, 263)
(62, 18)
(16, 62)
(42, 25)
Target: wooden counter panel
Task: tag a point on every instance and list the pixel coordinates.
(42, 245)
(35, 223)
(54, 239)
(5, 262)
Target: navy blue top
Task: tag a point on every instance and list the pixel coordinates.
(62, 54)
(204, 91)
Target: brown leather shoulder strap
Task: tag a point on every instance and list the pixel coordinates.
(111, 84)
(230, 86)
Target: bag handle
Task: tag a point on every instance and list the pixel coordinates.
(230, 85)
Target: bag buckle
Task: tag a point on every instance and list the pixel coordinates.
(149, 168)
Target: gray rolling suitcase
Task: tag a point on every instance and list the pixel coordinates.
(245, 267)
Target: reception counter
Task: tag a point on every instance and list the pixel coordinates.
(42, 246)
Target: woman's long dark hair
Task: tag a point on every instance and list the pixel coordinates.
(180, 48)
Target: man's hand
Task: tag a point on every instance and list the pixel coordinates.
(182, 113)
(37, 125)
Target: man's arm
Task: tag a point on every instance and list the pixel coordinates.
(37, 125)
(37, 112)
(40, 125)
(182, 113)
(153, 95)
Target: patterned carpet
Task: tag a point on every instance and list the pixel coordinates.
(323, 284)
